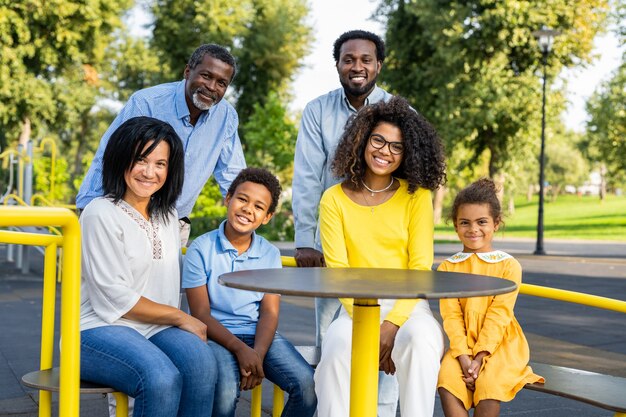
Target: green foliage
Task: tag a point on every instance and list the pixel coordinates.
(180, 26)
(606, 131)
(42, 171)
(471, 67)
(267, 37)
(565, 164)
(271, 137)
(570, 217)
(40, 42)
(271, 51)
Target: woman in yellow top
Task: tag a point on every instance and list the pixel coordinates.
(381, 216)
(488, 357)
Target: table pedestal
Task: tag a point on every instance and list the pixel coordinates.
(365, 355)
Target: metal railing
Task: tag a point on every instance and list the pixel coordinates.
(70, 295)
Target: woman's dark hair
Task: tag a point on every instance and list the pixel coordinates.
(423, 161)
(483, 191)
(126, 146)
(258, 176)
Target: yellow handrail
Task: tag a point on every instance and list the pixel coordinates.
(574, 297)
(49, 203)
(70, 295)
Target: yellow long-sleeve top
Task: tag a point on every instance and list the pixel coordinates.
(487, 324)
(395, 234)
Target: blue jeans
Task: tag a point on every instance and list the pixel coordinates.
(171, 374)
(325, 313)
(283, 366)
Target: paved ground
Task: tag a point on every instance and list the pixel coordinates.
(559, 333)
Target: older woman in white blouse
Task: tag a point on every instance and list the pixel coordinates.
(133, 336)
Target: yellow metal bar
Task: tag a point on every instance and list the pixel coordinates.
(288, 261)
(32, 239)
(365, 352)
(47, 323)
(70, 294)
(574, 297)
(17, 199)
(255, 403)
(121, 404)
(620, 415)
(279, 401)
(46, 202)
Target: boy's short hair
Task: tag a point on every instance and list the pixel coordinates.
(259, 176)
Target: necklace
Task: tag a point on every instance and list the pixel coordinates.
(377, 191)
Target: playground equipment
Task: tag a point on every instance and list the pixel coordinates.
(18, 164)
(69, 240)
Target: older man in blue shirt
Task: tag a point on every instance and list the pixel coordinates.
(206, 124)
(359, 57)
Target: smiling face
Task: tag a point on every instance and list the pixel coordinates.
(382, 162)
(146, 176)
(206, 83)
(358, 67)
(247, 209)
(475, 227)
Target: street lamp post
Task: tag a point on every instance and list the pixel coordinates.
(545, 37)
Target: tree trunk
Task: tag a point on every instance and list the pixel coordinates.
(602, 190)
(25, 132)
(438, 203)
(556, 190)
(530, 192)
(499, 179)
(78, 158)
(511, 204)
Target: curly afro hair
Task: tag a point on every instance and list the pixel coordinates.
(258, 176)
(423, 161)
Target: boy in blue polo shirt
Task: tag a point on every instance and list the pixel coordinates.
(242, 324)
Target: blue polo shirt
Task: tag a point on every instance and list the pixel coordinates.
(212, 255)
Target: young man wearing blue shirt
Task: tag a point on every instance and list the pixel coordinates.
(242, 324)
(206, 124)
(359, 57)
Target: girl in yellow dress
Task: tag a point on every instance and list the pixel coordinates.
(488, 357)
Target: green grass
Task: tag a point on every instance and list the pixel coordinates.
(569, 217)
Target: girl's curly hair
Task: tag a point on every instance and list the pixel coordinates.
(423, 161)
(483, 191)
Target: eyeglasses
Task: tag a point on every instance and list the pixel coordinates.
(378, 142)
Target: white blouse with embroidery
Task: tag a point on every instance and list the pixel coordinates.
(124, 257)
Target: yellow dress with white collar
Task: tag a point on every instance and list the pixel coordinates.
(486, 324)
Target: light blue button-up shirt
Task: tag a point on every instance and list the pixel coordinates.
(212, 255)
(212, 146)
(323, 122)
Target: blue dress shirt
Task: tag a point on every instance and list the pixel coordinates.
(323, 123)
(212, 255)
(212, 146)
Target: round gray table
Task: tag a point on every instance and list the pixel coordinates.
(366, 286)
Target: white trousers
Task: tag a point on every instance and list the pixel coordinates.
(416, 354)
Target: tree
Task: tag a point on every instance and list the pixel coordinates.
(605, 143)
(565, 164)
(271, 138)
(271, 51)
(268, 38)
(470, 67)
(42, 43)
